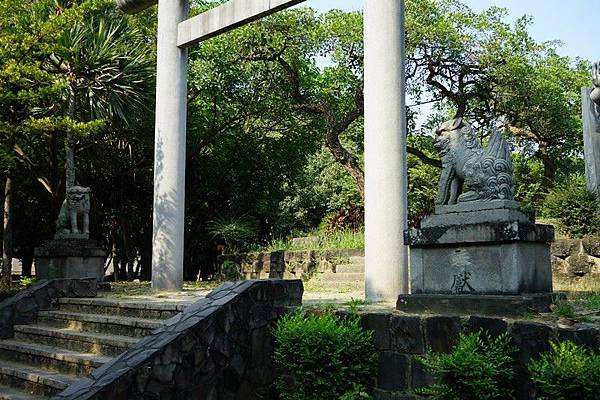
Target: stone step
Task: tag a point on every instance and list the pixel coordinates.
(9, 393)
(350, 277)
(125, 308)
(357, 260)
(349, 268)
(32, 380)
(80, 322)
(50, 358)
(86, 342)
(356, 285)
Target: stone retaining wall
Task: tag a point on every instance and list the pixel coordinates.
(399, 339)
(282, 264)
(23, 307)
(220, 347)
(576, 263)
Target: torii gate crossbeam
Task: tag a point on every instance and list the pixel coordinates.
(385, 130)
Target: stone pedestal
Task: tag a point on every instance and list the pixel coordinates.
(70, 258)
(480, 248)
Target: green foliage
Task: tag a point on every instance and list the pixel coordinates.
(576, 208)
(358, 392)
(592, 301)
(323, 357)
(529, 178)
(230, 271)
(341, 240)
(236, 232)
(567, 372)
(478, 368)
(564, 308)
(27, 281)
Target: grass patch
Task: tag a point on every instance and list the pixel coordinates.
(136, 289)
(345, 240)
(591, 301)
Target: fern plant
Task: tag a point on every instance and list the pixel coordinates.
(566, 372)
(478, 368)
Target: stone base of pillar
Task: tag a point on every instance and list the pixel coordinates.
(468, 304)
(480, 249)
(70, 258)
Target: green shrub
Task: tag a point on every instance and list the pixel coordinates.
(323, 357)
(479, 368)
(575, 207)
(27, 281)
(566, 372)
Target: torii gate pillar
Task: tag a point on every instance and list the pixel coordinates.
(175, 34)
(169, 149)
(386, 256)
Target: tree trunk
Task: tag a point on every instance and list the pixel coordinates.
(27, 261)
(347, 159)
(7, 239)
(69, 145)
(129, 258)
(114, 253)
(550, 168)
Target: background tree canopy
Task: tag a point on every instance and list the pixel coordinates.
(275, 119)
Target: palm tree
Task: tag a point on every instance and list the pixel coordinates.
(108, 67)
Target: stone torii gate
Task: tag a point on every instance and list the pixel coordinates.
(385, 127)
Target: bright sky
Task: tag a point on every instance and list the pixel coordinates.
(574, 22)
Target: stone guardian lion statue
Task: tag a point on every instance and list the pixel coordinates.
(487, 173)
(76, 206)
(595, 95)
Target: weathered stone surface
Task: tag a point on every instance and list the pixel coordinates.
(70, 258)
(290, 264)
(493, 326)
(461, 208)
(583, 336)
(487, 172)
(419, 377)
(406, 334)
(74, 218)
(394, 371)
(379, 323)
(590, 106)
(492, 268)
(220, 348)
(24, 306)
(467, 304)
(532, 339)
(484, 232)
(576, 262)
(441, 332)
(475, 217)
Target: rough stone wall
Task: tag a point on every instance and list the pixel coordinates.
(576, 262)
(220, 347)
(573, 261)
(399, 339)
(23, 307)
(283, 264)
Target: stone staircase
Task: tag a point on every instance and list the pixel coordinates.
(346, 275)
(68, 343)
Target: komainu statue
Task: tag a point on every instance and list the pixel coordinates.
(595, 95)
(75, 206)
(487, 173)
